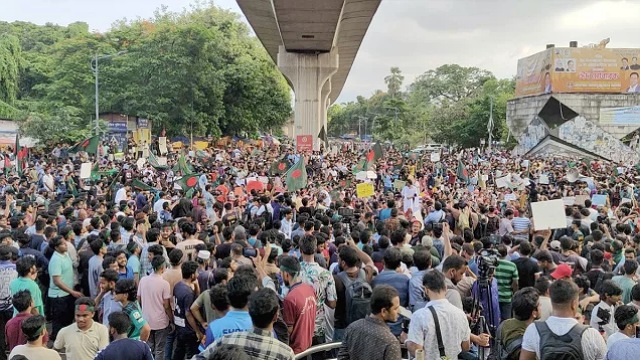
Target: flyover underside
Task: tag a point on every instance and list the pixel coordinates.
(304, 38)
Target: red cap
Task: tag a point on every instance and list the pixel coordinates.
(562, 271)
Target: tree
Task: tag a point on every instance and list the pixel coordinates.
(10, 66)
(394, 82)
(450, 82)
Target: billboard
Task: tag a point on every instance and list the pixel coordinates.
(579, 70)
(629, 115)
(533, 74)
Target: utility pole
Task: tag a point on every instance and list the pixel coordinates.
(490, 125)
(94, 67)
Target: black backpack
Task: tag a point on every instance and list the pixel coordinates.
(493, 224)
(357, 295)
(268, 218)
(560, 347)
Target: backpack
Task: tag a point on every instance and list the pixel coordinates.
(358, 296)
(556, 347)
(508, 351)
(480, 229)
(493, 224)
(268, 218)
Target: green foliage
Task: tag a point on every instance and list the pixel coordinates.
(449, 105)
(198, 70)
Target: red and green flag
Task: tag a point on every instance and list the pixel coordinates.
(378, 153)
(365, 164)
(137, 184)
(279, 167)
(89, 145)
(96, 174)
(188, 183)
(21, 153)
(296, 177)
(462, 172)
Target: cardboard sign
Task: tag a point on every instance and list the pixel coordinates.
(399, 184)
(569, 200)
(599, 200)
(435, 156)
(304, 143)
(364, 190)
(548, 215)
(85, 170)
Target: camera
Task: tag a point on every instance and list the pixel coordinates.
(487, 262)
(249, 252)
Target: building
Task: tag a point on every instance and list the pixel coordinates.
(578, 102)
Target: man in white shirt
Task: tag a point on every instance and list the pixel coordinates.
(610, 295)
(565, 299)
(409, 197)
(121, 194)
(453, 324)
(626, 317)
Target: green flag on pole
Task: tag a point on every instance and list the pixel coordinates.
(89, 145)
(296, 177)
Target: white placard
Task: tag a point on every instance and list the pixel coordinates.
(484, 177)
(510, 197)
(162, 161)
(503, 181)
(435, 156)
(192, 153)
(162, 145)
(625, 200)
(569, 200)
(263, 179)
(543, 180)
(498, 173)
(85, 170)
(140, 163)
(549, 214)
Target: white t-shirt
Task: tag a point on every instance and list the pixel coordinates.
(593, 345)
(609, 328)
(454, 328)
(615, 337)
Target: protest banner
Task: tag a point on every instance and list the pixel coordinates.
(549, 214)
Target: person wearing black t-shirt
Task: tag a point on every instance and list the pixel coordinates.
(528, 270)
(123, 348)
(188, 334)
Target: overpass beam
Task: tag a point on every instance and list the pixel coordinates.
(308, 74)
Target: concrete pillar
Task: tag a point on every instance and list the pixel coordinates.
(324, 107)
(308, 74)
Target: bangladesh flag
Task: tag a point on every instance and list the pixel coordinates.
(89, 145)
(182, 166)
(96, 174)
(188, 183)
(462, 172)
(378, 153)
(137, 184)
(364, 164)
(21, 153)
(279, 167)
(153, 161)
(296, 177)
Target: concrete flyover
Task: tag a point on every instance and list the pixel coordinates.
(314, 43)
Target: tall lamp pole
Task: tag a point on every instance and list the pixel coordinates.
(94, 67)
(490, 125)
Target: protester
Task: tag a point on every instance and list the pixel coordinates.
(122, 347)
(83, 339)
(34, 329)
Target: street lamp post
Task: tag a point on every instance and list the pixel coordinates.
(94, 67)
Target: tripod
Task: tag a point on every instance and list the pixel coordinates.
(484, 291)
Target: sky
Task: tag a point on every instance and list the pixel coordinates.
(414, 35)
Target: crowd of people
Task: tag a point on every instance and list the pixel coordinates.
(442, 261)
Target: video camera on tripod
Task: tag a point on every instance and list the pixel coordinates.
(483, 320)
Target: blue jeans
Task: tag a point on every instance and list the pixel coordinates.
(168, 346)
(505, 311)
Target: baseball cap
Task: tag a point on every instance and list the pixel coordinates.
(562, 271)
(555, 245)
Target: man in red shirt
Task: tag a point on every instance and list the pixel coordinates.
(299, 309)
(23, 303)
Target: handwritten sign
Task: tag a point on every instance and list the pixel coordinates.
(364, 190)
